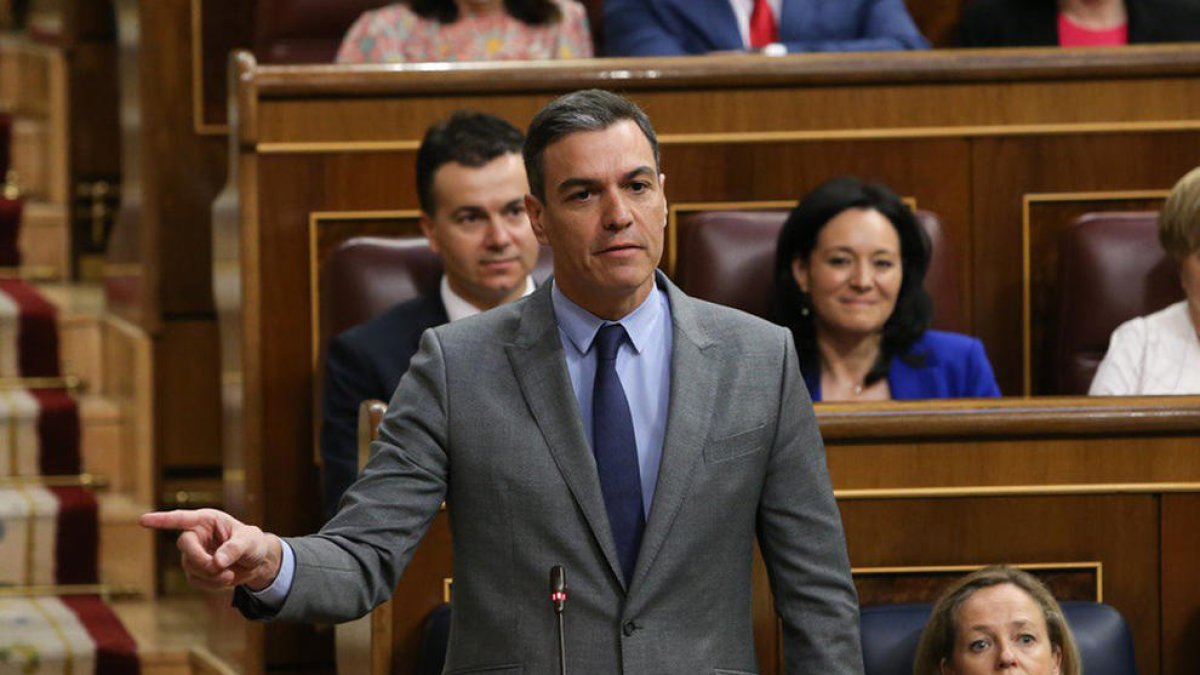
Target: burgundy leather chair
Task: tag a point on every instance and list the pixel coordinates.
(728, 257)
(1111, 269)
(364, 276)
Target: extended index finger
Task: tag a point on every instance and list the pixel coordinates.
(171, 520)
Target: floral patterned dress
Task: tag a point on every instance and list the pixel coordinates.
(394, 34)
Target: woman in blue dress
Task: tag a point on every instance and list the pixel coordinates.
(849, 278)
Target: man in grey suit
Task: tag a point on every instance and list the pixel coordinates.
(607, 423)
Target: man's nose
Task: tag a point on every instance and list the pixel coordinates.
(497, 234)
(617, 214)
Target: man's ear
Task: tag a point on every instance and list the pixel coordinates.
(427, 228)
(534, 209)
(662, 184)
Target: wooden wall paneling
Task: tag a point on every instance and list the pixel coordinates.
(218, 27)
(1007, 169)
(188, 396)
(1180, 590)
(1118, 531)
(1046, 217)
(925, 583)
(95, 134)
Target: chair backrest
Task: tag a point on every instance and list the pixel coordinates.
(1111, 269)
(305, 31)
(728, 257)
(890, 634)
(364, 276)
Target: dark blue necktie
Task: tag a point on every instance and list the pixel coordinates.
(616, 451)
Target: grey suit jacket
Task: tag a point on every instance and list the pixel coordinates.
(486, 418)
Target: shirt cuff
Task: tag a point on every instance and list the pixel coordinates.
(273, 596)
(775, 49)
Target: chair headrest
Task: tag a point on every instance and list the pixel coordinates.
(890, 634)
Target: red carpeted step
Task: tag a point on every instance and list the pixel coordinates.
(48, 634)
(37, 330)
(58, 432)
(10, 230)
(48, 536)
(116, 652)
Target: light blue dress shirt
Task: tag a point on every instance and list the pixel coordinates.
(643, 366)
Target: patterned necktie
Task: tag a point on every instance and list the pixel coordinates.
(763, 30)
(616, 451)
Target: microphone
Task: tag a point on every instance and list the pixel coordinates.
(558, 597)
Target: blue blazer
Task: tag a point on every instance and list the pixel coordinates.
(678, 27)
(956, 366)
(362, 363)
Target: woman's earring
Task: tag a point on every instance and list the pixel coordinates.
(804, 310)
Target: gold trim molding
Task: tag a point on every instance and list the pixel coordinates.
(1027, 200)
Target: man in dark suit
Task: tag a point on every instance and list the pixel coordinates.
(471, 186)
(608, 423)
(776, 27)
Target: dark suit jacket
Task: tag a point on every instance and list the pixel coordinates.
(678, 27)
(366, 362)
(1034, 23)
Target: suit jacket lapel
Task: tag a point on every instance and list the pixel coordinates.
(694, 367)
(537, 360)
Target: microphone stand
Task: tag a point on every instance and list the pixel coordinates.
(558, 596)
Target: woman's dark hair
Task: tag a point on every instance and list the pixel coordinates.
(794, 308)
(532, 12)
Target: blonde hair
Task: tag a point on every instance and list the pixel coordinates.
(1179, 224)
(938, 638)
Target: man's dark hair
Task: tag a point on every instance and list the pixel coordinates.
(469, 138)
(587, 110)
(532, 12)
(798, 238)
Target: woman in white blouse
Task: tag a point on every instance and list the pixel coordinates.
(1160, 353)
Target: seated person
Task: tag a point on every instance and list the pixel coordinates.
(998, 619)
(471, 186)
(679, 27)
(849, 282)
(1160, 353)
(1077, 23)
(468, 30)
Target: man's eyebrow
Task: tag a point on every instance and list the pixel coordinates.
(467, 209)
(572, 183)
(638, 173)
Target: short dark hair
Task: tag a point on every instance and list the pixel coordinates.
(914, 308)
(586, 110)
(468, 138)
(532, 12)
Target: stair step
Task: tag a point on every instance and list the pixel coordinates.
(172, 633)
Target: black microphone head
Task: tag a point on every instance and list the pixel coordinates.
(558, 579)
